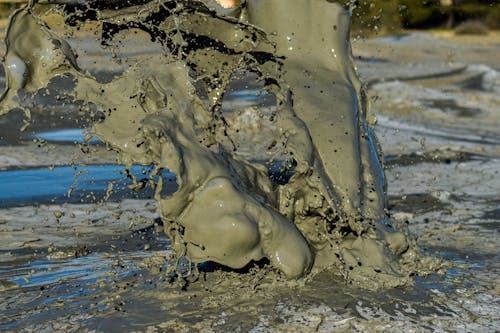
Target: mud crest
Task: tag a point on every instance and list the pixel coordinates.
(313, 200)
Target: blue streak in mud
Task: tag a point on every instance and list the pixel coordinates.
(44, 186)
(66, 135)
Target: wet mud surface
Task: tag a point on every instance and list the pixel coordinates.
(108, 267)
(326, 210)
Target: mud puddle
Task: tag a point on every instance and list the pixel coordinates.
(133, 291)
(105, 268)
(120, 286)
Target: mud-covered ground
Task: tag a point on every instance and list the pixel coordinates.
(69, 264)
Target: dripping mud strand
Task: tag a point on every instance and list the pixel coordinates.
(168, 113)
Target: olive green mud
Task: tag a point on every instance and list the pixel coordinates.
(329, 215)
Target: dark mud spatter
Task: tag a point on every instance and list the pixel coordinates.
(167, 113)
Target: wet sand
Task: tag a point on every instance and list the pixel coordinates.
(78, 267)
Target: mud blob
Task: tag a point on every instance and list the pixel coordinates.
(167, 112)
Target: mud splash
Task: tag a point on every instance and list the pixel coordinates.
(167, 112)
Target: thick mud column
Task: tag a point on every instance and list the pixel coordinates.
(312, 37)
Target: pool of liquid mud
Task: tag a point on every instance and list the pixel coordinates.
(126, 285)
(127, 290)
(444, 188)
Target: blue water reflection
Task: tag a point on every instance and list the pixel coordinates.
(67, 135)
(88, 268)
(76, 184)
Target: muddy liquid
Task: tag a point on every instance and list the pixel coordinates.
(80, 266)
(323, 206)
